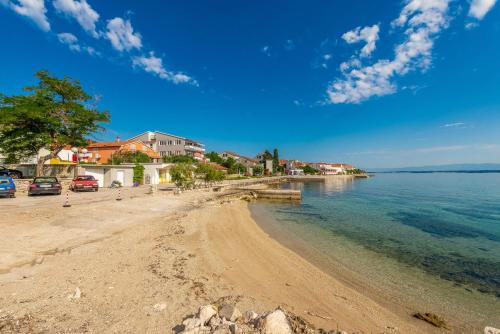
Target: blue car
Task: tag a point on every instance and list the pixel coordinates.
(7, 186)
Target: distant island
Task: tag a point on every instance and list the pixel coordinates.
(455, 168)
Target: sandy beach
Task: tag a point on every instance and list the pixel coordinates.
(142, 264)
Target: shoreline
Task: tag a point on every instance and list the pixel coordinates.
(236, 248)
(157, 259)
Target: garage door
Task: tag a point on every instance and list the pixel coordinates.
(98, 174)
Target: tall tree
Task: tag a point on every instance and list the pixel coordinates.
(55, 113)
(276, 160)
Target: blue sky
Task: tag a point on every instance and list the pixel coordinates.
(374, 83)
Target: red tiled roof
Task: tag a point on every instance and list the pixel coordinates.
(216, 165)
(109, 143)
(241, 156)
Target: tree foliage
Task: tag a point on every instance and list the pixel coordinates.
(210, 174)
(276, 160)
(214, 157)
(129, 157)
(175, 159)
(54, 113)
(258, 170)
(138, 173)
(267, 155)
(183, 175)
(308, 170)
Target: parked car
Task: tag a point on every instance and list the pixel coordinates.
(7, 186)
(44, 185)
(13, 173)
(84, 182)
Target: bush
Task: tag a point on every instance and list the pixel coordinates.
(214, 157)
(138, 173)
(129, 157)
(258, 170)
(308, 170)
(182, 175)
(176, 159)
(210, 174)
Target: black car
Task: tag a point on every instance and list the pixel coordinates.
(45, 185)
(13, 173)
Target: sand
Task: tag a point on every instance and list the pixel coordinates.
(142, 264)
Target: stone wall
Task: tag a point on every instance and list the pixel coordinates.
(62, 171)
(23, 184)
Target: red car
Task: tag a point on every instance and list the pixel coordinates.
(84, 182)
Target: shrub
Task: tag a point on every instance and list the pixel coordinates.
(182, 175)
(138, 173)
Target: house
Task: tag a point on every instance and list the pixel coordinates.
(102, 152)
(154, 173)
(326, 168)
(65, 156)
(169, 145)
(246, 161)
(217, 166)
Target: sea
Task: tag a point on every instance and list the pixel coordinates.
(416, 242)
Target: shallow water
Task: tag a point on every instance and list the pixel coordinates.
(428, 240)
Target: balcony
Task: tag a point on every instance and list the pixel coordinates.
(192, 148)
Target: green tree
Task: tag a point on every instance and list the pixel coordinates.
(267, 155)
(138, 173)
(276, 160)
(229, 163)
(175, 159)
(54, 113)
(214, 157)
(258, 170)
(182, 175)
(210, 174)
(308, 170)
(129, 157)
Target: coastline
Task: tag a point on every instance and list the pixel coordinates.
(157, 259)
(234, 247)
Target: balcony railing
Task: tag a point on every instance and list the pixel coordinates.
(194, 148)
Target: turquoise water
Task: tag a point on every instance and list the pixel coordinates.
(441, 227)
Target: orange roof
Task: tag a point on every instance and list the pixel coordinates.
(216, 165)
(108, 143)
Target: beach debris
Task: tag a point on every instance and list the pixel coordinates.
(230, 312)
(431, 318)
(227, 319)
(491, 330)
(206, 313)
(318, 315)
(159, 307)
(76, 295)
(276, 323)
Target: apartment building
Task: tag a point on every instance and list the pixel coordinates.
(169, 145)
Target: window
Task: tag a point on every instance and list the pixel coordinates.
(178, 142)
(170, 142)
(163, 153)
(163, 143)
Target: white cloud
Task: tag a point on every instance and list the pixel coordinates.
(367, 34)
(154, 65)
(81, 12)
(122, 36)
(479, 8)
(33, 9)
(422, 21)
(72, 42)
(266, 50)
(454, 125)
